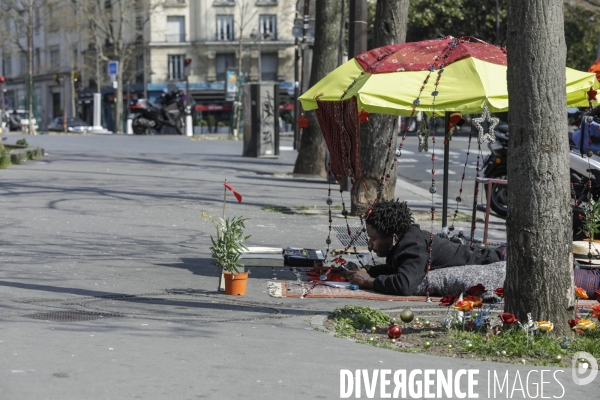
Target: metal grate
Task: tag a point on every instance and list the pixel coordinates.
(70, 316)
(341, 232)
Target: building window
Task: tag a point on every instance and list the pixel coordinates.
(38, 59)
(8, 66)
(268, 26)
(139, 66)
(23, 64)
(139, 28)
(36, 19)
(224, 62)
(54, 57)
(268, 66)
(23, 16)
(175, 29)
(52, 23)
(176, 67)
(107, 4)
(10, 99)
(224, 27)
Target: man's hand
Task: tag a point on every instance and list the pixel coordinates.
(361, 278)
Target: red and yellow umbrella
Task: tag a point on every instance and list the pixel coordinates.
(433, 76)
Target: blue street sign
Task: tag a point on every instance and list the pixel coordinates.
(113, 67)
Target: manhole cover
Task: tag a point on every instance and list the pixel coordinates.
(344, 238)
(70, 316)
(182, 308)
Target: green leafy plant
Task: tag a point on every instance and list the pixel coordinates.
(5, 159)
(591, 220)
(360, 317)
(229, 245)
(22, 142)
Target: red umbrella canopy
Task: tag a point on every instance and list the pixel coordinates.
(418, 56)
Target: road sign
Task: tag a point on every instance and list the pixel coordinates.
(297, 32)
(300, 21)
(113, 67)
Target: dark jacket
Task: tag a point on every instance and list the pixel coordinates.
(406, 265)
(14, 122)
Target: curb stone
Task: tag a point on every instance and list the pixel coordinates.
(19, 156)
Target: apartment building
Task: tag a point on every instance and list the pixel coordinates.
(252, 36)
(56, 53)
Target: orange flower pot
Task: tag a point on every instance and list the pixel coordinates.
(235, 284)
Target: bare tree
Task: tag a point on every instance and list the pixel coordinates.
(116, 26)
(312, 151)
(391, 17)
(539, 226)
(21, 13)
(242, 9)
(245, 14)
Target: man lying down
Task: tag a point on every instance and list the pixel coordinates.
(392, 233)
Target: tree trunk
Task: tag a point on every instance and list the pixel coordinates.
(311, 155)
(391, 17)
(539, 227)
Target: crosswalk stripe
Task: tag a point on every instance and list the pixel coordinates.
(441, 171)
(406, 160)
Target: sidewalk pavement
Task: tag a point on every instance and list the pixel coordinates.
(108, 227)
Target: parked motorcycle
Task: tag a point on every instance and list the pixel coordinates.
(584, 172)
(494, 167)
(168, 110)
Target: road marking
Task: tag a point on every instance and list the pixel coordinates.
(407, 160)
(441, 171)
(286, 148)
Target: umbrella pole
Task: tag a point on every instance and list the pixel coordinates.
(446, 168)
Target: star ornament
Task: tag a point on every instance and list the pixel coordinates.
(592, 94)
(363, 116)
(302, 122)
(492, 122)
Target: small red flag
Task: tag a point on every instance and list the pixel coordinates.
(236, 194)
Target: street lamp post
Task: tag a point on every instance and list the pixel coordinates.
(62, 80)
(259, 61)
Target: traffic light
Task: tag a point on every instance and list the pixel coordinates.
(75, 77)
(187, 67)
(2, 79)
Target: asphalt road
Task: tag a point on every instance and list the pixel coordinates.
(416, 167)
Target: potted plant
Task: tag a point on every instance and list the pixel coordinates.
(227, 249)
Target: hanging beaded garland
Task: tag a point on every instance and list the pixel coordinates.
(590, 217)
(476, 193)
(462, 180)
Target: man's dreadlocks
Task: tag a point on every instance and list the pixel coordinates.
(391, 217)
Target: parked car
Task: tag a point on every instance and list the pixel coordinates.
(24, 115)
(73, 125)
